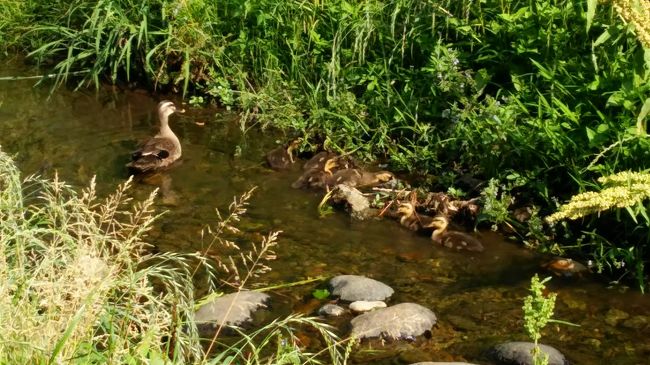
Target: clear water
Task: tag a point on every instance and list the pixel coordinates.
(477, 297)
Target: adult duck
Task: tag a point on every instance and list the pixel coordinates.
(163, 149)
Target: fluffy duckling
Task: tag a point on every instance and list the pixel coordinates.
(453, 239)
(316, 177)
(319, 160)
(357, 178)
(410, 219)
(282, 157)
(161, 150)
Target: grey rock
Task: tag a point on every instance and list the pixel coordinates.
(331, 310)
(519, 353)
(357, 203)
(354, 287)
(403, 320)
(230, 309)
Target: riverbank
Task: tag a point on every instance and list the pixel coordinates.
(446, 90)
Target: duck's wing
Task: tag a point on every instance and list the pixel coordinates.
(153, 154)
(160, 148)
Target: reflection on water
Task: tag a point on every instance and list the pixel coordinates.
(477, 297)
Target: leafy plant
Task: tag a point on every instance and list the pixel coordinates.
(538, 310)
(495, 204)
(321, 294)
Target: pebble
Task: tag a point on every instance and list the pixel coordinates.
(331, 310)
(361, 306)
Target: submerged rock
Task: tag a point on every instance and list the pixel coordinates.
(405, 320)
(354, 287)
(331, 310)
(366, 306)
(519, 353)
(230, 309)
(613, 316)
(462, 323)
(636, 322)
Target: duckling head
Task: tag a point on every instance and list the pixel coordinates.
(292, 147)
(329, 165)
(440, 221)
(384, 176)
(406, 209)
(294, 144)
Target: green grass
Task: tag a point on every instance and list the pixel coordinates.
(523, 92)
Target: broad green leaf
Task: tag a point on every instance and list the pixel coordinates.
(602, 128)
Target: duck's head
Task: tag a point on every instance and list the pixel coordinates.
(406, 209)
(167, 108)
(384, 176)
(292, 146)
(295, 143)
(440, 222)
(330, 164)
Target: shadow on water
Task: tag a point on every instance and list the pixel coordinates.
(477, 297)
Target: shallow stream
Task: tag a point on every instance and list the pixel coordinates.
(477, 297)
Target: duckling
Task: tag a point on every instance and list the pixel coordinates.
(316, 177)
(410, 219)
(453, 239)
(319, 159)
(161, 150)
(282, 157)
(357, 178)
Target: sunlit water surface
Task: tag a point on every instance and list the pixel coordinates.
(477, 297)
